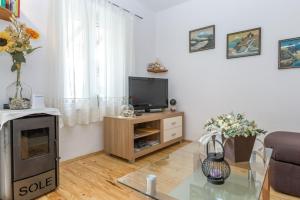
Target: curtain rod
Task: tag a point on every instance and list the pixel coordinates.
(126, 10)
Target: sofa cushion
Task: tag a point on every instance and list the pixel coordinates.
(285, 145)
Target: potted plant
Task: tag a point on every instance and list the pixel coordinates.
(238, 133)
(15, 40)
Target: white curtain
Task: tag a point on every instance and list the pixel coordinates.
(92, 55)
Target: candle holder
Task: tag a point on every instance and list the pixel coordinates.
(214, 167)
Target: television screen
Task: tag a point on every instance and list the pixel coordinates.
(148, 93)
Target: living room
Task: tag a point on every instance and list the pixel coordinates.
(208, 59)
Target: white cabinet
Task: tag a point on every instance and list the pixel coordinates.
(172, 128)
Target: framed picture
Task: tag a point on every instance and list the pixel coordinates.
(12, 5)
(202, 39)
(289, 53)
(244, 43)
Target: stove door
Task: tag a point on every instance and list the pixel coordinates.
(34, 149)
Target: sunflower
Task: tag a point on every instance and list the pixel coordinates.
(5, 41)
(32, 33)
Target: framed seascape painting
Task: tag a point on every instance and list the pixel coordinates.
(289, 53)
(202, 39)
(12, 5)
(244, 43)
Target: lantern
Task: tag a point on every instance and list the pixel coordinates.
(214, 167)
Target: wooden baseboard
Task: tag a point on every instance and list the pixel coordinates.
(65, 162)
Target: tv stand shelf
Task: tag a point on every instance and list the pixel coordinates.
(131, 138)
(144, 132)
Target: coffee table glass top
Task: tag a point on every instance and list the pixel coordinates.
(180, 177)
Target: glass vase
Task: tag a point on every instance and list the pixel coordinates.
(127, 110)
(19, 95)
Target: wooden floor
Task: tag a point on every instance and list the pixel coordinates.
(94, 178)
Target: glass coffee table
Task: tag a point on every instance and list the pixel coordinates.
(180, 177)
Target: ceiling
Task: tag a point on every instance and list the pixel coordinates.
(158, 5)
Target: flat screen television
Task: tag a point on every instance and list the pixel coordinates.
(148, 93)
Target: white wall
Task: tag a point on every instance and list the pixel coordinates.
(79, 140)
(206, 83)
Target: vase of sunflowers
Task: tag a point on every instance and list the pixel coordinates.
(15, 40)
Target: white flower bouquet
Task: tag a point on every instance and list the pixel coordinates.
(232, 125)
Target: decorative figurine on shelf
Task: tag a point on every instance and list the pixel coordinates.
(15, 40)
(173, 105)
(156, 67)
(214, 167)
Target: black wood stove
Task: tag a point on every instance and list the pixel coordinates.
(35, 157)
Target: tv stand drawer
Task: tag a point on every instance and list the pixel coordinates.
(172, 134)
(173, 122)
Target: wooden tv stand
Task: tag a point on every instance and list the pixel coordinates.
(131, 138)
